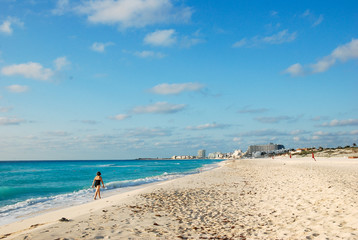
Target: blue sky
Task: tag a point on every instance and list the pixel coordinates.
(122, 79)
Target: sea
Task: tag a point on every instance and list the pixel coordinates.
(30, 187)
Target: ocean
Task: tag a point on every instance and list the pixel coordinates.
(29, 187)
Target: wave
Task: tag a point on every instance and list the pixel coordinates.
(13, 212)
(28, 170)
(159, 178)
(208, 167)
(106, 165)
(131, 166)
(137, 182)
(9, 192)
(110, 165)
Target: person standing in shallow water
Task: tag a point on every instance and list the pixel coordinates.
(97, 184)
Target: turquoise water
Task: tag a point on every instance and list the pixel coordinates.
(32, 186)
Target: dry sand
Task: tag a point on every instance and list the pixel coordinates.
(245, 199)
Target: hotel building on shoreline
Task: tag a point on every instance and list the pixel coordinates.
(264, 148)
(202, 153)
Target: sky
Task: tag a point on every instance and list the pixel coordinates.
(125, 79)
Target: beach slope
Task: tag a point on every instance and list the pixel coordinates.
(245, 199)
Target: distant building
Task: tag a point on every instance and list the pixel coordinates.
(264, 148)
(183, 157)
(201, 153)
(237, 154)
(215, 155)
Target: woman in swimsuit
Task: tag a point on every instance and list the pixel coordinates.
(97, 184)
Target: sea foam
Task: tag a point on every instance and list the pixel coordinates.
(35, 206)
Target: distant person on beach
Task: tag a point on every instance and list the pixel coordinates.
(313, 156)
(97, 184)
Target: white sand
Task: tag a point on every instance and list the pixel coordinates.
(246, 199)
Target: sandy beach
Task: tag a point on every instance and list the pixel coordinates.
(278, 198)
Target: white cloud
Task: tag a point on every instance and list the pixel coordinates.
(17, 88)
(318, 21)
(207, 126)
(120, 117)
(147, 132)
(5, 109)
(264, 132)
(347, 51)
(100, 47)
(342, 53)
(315, 137)
(340, 123)
(149, 54)
(281, 37)
(298, 132)
(10, 121)
(58, 133)
(187, 42)
(277, 119)
(240, 43)
(321, 133)
(169, 37)
(295, 70)
(296, 139)
(272, 119)
(335, 137)
(273, 13)
(354, 132)
(335, 134)
(91, 122)
(28, 70)
(175, 88)
(60, 63)
(323, 65)
(161, 38)
(34, 70)
(306, 13)
(237, 139)
(318, 118)
(249, 110)
(159, 107)
(312, 18)
(62, 6)
(133, 13)
(6, 26)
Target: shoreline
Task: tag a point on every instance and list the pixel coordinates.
(94, 160)
(32, 206)
(242, 199)
(50, 216)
